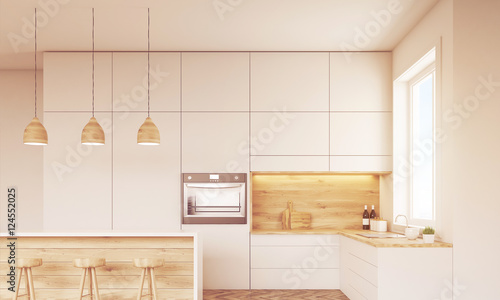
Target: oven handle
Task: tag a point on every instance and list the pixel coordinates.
(213, 188)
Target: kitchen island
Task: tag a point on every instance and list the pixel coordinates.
(179, 278)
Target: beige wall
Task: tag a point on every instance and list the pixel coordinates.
(436, 26)
(477, 145)
(20, 165)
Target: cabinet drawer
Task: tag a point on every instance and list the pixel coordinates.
(363, 269)
(308, 257)
(361, 285)
(362, 251)
(295, 279)
(294, 240)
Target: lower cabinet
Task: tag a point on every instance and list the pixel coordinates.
(295, 262)
(393, 273)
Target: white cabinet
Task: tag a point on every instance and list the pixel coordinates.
(225, 255)
(393, 273)
(68, 82)
(77, 178)
(295, 81)
(295, 262)
(215, 81)
(215, 142)
(130, 82)
(289, 133)
(367, 133)
(146, 181)
(361, 81)
(289, 163)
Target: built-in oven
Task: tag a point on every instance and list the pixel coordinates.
(214, 198)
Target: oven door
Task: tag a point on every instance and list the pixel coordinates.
(214, 203)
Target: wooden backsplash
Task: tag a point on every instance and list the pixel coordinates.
(335, 201)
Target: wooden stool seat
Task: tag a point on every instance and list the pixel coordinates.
(25, 264)
(148, 262)
(148, 266)
(88, 266)
(28, 262)
(89, 262)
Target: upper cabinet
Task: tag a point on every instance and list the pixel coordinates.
(361, 81)
(130, 82)
(289, 81)
(68, 81)
(215, 81)
(362, 133)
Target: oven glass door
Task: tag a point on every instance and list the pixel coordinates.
(214, 199)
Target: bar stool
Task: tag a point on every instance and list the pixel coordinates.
(88, 266)
(148, 266)
(25, 264)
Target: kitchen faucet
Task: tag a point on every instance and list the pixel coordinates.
(396, 219)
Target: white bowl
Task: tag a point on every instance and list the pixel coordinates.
(411, 233)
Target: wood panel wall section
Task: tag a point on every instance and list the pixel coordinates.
(335, 201)
(119, 279)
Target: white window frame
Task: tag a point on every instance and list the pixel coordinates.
(402, 128)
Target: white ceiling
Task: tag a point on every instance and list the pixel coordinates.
(196, 25)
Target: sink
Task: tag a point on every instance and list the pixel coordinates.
(381, 235)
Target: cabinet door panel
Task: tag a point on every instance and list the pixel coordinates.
(165, 81)
(360, 163)
(289, 163)
(130, 82)
(289, 133)
(295, 240)
(365, 288)
(313, 257)
(297, 81)
(295, 279)
(146, 179)
(77, 178)
(215, 142)
(215, 81)
(361, 134)
(226, 253)
(68, 82)
(361, 81)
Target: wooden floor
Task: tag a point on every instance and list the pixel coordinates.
(274, 294)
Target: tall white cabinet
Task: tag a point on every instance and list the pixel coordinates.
(121, 185)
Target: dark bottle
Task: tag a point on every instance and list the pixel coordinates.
(366, 219)
(373, 215)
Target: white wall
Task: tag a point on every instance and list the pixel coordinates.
(20, 165)
(437, 25)
(474, 174)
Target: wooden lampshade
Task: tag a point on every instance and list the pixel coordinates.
(35, 133)
(92, 133)
(148, 133)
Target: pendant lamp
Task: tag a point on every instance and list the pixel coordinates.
(148, 132)
(92, 133)
(35, 133)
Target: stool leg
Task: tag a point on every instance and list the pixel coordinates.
(153, 279)
(18, 283)
(82, 282)
(30, 284)
(139, 296)
(90, 283)
(27, 283)
(150, 281)
(96, 287)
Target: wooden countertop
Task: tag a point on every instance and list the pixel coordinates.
(375, 242)
(102, 234)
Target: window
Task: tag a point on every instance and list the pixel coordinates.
(415, 150)
(422, 95)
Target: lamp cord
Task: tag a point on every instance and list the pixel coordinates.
(149, 47)
(93, 42)
(35, 64)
